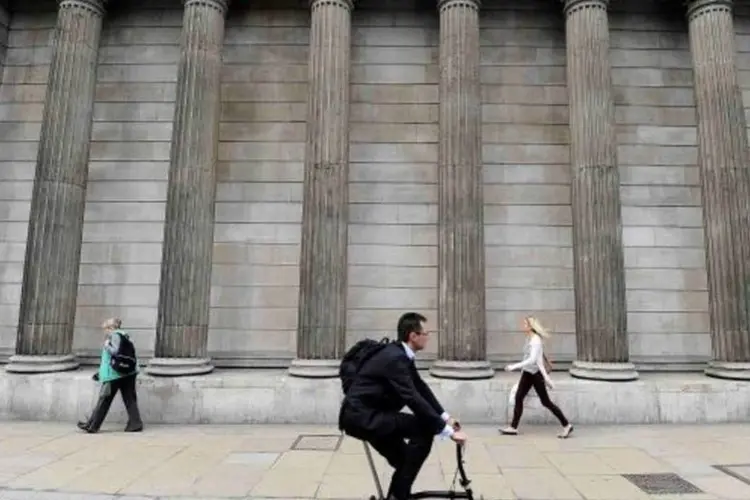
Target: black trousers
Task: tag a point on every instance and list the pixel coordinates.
(535, 380)
(126, 387)
(406, 457)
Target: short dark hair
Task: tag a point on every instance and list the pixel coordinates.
(408, 323)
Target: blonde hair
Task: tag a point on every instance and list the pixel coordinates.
(112, 324)
(537, 327)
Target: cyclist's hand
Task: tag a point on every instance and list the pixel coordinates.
(459, 437)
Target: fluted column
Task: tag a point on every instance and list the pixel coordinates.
(598, 262)
(4, 27)
(725, 185)
(53, 245)
(462, 348)
(185, 286)
(321, 330)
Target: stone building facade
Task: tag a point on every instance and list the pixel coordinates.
(262, 183)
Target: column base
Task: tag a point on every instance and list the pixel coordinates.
(179, 367)
(728, 371)
(26, 363)
(315, 368)
(606, 372)
(462, 370)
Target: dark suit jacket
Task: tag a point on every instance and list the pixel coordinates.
(386, 383)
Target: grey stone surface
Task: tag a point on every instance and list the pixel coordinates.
(725, 185)
(51, 266)
(268, 396)
(321, 328)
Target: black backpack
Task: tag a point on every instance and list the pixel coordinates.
(355, 358)
(124, 361)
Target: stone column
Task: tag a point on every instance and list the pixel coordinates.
(462, 349)
(4, 27)
(185, 287)
(599, 275)
(53, 245)
(725, 184)
(321, 330)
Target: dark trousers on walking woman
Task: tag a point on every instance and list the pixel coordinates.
(535, 380)
(126, 387)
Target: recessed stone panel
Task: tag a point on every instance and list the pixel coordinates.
(317, 442)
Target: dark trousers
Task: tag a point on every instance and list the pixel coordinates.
(535, 380)
(126, 386)
(406, 457)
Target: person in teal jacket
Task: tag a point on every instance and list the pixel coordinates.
(113, 381)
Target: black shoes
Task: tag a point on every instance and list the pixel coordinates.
(84, 426)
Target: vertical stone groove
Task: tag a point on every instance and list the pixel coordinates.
(321, 330)
(462, 349)
(53, 248)
(599, 275)
(725, 184)
(185, 286)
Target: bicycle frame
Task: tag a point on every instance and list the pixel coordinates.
(451, 494)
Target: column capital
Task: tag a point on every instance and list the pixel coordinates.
(96, 6)
(698, 7)
(220, 5)
(570, 6)
(446, 4)
(346, 4)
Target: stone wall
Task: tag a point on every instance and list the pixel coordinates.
(393, 178)
(259, 192)
(660, 191)
(393, 184)
(129, 160)
(21, 103)
(527, 176)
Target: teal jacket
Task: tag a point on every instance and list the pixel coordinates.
(106, 372)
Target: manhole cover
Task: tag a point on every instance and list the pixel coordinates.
(317, 442)
(741, 472)
(662, 484)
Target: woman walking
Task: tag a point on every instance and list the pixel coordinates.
(113, 380)
(534, 374)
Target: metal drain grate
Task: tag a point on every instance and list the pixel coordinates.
(318, 442)
(662, 484)
(741, 472)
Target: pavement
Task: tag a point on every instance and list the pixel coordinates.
(54, 461)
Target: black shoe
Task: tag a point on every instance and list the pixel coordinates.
(84, 426)
(134, 428)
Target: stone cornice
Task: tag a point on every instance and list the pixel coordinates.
(570, 6)
(699, 7)
(446, 4)
(347, 4)
(220, 5)
(98, 7)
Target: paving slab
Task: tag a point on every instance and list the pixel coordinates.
(54, 461)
